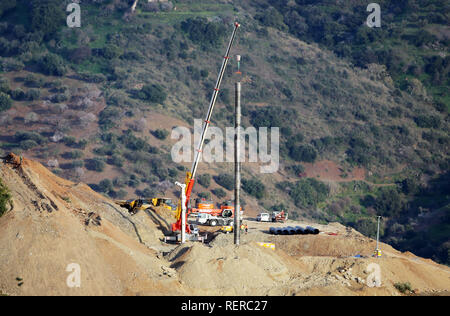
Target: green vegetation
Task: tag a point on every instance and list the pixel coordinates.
(204, 180)
(306, 192)
(225, 180)
(161, 134)
(5, 102)
(153, 93)
(220, 193)
(5, 199)
(404, 287)
(254, 187)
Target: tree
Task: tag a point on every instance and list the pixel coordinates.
(304, 153)
(52, 65)
(225, 180)
(389, 202)
(161, 134)
(153, 93)
(205, 180)
(254, 187)
(5, 198)
(220, 193)
(5, 102)
(47, 16)
(200, 31)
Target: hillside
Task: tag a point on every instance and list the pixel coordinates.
(363, 112)
(55, 222)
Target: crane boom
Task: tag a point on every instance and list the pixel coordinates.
(207, 121)
(190, 177)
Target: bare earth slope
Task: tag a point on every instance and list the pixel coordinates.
(46, 231)
(55, 222)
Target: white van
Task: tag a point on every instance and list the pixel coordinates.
(263, 217)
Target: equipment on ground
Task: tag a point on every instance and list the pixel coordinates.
(164, 202)
(134, 206)
(227, 229)
(211, 220)
(297, 230)
(263, 217)
(279, 216)
(190, 176)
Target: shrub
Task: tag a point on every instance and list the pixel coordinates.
(220, 193)
(153, 93)
(425, 121)
(403, 287)
(76, 154)
(307, 192)
(205, 195)
(52, 65)
(304, 153)
(272, 18)
(4, 85)
(5, 198)
(225, 180)
(33, 94)
(105, 186)
(389, 202)
(47, 16)
(111, 52)
(254, 187)
(161, 134)
(116, 160)
(28, 144)
(5, 102)
(24, 136)
(204, 180)
(95, 165)
(200, 31)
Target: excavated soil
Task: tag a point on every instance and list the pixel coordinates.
(55, 223)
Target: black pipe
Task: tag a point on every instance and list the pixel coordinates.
(291, 230)
(312, 230)
(300, 230)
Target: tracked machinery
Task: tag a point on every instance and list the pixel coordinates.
(183, 206)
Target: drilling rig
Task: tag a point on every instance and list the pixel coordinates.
(190, 176)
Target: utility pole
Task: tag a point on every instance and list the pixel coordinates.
(237, 165)
(378, 251)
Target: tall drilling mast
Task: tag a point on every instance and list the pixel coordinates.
(190, 177)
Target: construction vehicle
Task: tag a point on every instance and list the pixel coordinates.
(212, 220)
(164, 202)
(190, 176)
(279, 216)
(263, 217)
(134, 206)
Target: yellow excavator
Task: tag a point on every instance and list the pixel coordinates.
(134, 206)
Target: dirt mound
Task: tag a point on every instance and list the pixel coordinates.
(245, 270)
(55, 223)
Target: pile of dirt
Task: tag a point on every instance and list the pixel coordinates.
(244, 270)
(55, 223)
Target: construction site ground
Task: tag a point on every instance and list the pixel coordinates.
(55, 223)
